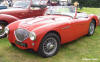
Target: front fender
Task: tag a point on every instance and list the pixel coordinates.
(41, 32)
(8, 18)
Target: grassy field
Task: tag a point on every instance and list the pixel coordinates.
(85, 49)
(91, 10)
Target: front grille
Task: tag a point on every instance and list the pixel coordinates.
(21, 44)
(21, 35)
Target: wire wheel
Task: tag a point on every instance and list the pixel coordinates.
(2, 27)
(50, 46)
(91, 28)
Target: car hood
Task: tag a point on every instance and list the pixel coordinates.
(41, 21)
(10, 10)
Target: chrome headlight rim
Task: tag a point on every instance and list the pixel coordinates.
(17, 39)
(6, 30)
(32, 36)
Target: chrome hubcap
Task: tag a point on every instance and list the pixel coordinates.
(50, 46)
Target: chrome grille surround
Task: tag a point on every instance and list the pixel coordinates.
(21, 34)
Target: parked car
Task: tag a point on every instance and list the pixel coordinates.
(3, 7)
(45, 34)
(20, 10)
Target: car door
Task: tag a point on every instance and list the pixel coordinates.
(21, 13)
(82, 25)
(68, 31)
(75, 29)
(36, 11)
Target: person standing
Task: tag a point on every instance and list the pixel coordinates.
(5, 3)
(10, 3)
(76, 4)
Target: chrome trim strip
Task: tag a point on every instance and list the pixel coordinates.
(66, 27)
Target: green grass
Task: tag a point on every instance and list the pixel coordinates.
(91, 10)
(85, 47)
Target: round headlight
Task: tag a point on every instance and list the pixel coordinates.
(32, 36)
(6, 30)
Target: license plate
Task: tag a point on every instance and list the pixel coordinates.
(21, 44)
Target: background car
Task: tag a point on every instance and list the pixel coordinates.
(45, 34)
(3, 7)
(20, 10)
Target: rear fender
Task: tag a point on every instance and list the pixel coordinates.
(94, 17)
(8, 18)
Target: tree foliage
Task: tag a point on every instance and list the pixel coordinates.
(88, 3)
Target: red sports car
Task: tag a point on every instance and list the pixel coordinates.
(45, 34)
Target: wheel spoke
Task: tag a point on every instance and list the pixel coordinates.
(50, 45)
(1, 29)
(92, 27)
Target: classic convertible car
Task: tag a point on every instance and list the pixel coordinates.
(45, 34)
(20, 10)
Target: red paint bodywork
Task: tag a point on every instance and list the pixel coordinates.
(68, 28)
(13, 14)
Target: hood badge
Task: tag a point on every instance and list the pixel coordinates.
(66, 27)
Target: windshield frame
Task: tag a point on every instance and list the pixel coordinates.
(40, 2)
(17, 3)
(67, 14)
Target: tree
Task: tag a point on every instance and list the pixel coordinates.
(88, 3)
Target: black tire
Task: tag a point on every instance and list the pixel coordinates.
(45, 47)
(92, 28)
(2, 27)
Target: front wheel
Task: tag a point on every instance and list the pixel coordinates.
(50, 45)
(91, 28)
(2, 27)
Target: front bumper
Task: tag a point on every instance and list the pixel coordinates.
(21, 44)
(27, 44)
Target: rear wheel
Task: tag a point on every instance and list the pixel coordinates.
(2, 27)
(91, 28)
(50, 45)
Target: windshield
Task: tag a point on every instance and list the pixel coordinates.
(61, 10)
(39, 2)
(21, 4)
